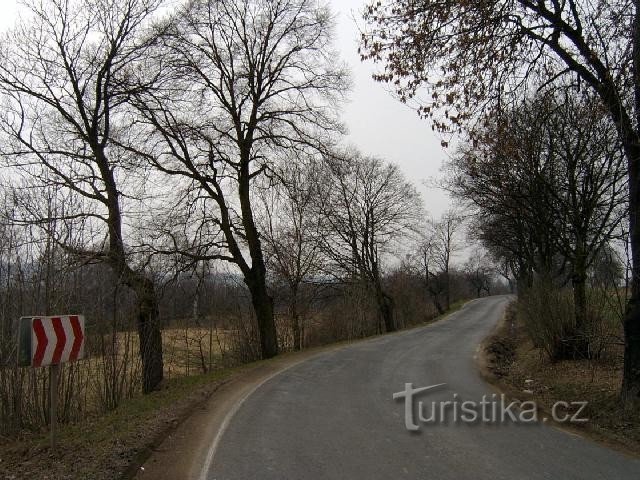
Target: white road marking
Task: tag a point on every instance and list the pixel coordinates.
(227, 420)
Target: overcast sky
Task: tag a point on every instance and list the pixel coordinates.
(378, 123)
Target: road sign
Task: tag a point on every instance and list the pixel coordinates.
(50, 340)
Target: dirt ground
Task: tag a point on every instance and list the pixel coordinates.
(116, 442)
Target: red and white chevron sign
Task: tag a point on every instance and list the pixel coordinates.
(56, 340)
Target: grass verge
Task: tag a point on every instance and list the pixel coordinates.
(108, 446)
(516, 368)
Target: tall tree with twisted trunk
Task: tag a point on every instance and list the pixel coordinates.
(473, 57)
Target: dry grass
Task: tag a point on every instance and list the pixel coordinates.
(113, 423)
(106, 447)
(194, 350)
(186, 351)
(109, 375)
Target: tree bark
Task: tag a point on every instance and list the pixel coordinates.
(437, 304)
(256, 276)
(385, 302)
(427, 283)
(577, 345)
(295, 321)
(148, 325)
(263, 308)
(447, 292)
(631, 373)
(150, 336)
(385, 308)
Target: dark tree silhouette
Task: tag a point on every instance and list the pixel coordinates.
(552, 172)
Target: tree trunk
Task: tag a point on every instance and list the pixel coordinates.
(295, 322)
(150, 337)
(577, 346)
(385, 309)
(148, 322)
(427, 284)
(263, 308)
(630, 393)
(149, 334)
(255, 277)
(580, 302)
(631, 373)
(448, 290)
(437, 304)
(387, 315)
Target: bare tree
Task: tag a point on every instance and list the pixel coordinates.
(432, 278)
(292, 238)
(239, 84)
(445, 234)
(475, 56)
(479, 272)
(504, 268)
(368, 207)
(564, 176)
(63, 86)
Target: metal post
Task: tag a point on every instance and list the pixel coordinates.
(54, 371)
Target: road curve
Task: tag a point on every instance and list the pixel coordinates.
(333, 417)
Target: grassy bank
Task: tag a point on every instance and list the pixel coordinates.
(107, 446)
(516, 367)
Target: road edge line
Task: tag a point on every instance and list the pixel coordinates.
(232, 412)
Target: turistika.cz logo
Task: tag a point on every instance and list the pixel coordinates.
(491, 409)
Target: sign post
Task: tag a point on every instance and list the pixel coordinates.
(54, 373)
(51, 341)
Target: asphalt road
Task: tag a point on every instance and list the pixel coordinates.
(334, 417)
